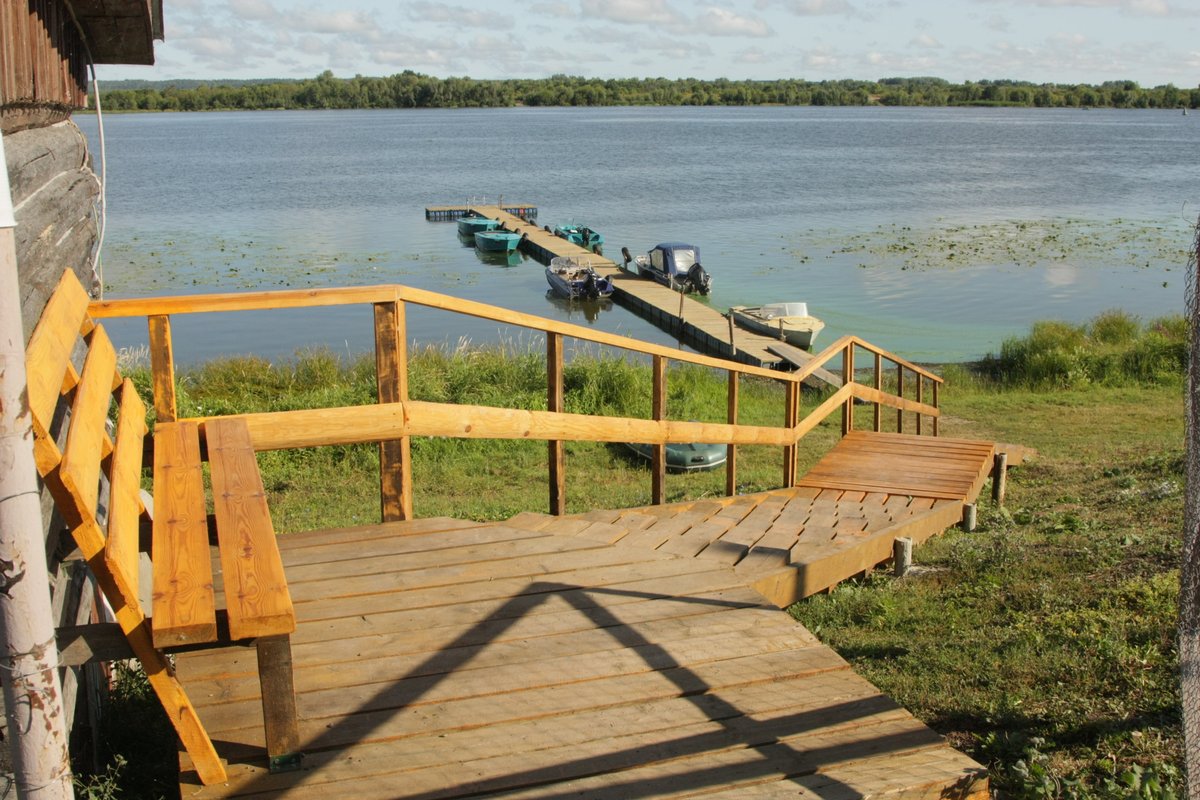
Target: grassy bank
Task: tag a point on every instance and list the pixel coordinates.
(1042, 644)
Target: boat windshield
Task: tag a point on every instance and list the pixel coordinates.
(684, 259)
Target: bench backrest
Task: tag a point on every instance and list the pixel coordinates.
(108, 540)
(73, 471)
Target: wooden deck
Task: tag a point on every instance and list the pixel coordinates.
(697, 323)
(839, 521)
(551, 657)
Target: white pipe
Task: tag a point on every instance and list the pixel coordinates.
(28, 653)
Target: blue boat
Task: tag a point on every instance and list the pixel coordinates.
(468, 226)
(580, 235)
(575, 279)
(689, 457)
(497, 241)
(675, 265)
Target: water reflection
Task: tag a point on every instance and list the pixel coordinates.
(513, 259)
(571, 310)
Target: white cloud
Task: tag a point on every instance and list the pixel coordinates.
(751, 55)
(562, 10)
(333, 21)
(926, 41)
(257, 10)
(1150, 8)
(998, 23)
(821, 58)
(636, 12)
(722, 22)
(459, 16)
(813, 8)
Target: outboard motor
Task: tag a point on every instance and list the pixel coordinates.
(625, 254)
(700, 280)
(590, 290)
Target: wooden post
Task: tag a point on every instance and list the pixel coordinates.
(732, 345)
(731, 416)
(999, 478)
(970, 517)
(162, 368)
(658, 463)
(920, 398)
(847, 379)
(901, 556)
(37, 736)
(391, 377)
(554, 402)
(791, 416)
(937, 419)
(281, 727)
(879, 388)
(900, 394)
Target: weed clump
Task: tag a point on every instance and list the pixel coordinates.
(1114, 349)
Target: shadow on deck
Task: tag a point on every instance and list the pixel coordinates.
(447, 659)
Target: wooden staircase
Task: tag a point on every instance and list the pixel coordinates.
(840, 521)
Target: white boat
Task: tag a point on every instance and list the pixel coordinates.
(788, 321)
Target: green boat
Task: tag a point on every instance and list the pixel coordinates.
(497, 241)
(468, 226)
(690, 457)
(580, 235)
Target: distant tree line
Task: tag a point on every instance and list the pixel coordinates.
(412, 90)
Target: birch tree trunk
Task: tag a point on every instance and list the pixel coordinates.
(1189, 594)
(28, 653)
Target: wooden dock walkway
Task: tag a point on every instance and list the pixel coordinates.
(694, 322)
(593, 656)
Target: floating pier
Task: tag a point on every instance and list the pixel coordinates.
(450, 213)
(694, 322)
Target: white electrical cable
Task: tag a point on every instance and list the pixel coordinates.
(97, 263)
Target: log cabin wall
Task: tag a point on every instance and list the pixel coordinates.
(43, 79)
(43, 64)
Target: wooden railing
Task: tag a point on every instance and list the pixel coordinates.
(396, 418)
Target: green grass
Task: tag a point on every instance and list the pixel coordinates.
(1042, 644)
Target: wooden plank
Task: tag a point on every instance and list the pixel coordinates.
(391, 371)
(658, 461)
(184, 604)
(256, 590)
(281, 729)
(86, 439)
(162, 367)
(555, 403)
(125, 506)
(48, 356)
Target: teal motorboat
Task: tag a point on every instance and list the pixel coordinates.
(468, 226)
(690, 457)
(580, 235)
(497, 241)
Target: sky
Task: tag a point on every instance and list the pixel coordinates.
(1152, 42)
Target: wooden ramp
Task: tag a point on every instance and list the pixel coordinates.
(839, 521)
(440, 659)
(697, 323)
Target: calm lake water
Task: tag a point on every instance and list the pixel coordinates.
(934, 233)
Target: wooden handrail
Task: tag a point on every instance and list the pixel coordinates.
(395, 418)
(310, 298)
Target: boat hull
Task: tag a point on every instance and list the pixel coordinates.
(797, 331)
(469, 226)
(576, 281)
(497, 241)
(690, 457)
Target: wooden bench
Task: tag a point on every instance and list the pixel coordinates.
(108, 525)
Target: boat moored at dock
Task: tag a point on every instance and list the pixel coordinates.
(675, 265)
(581, 235)
(497, 241)
(470, 225)
(574, 278)
(790, 322)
